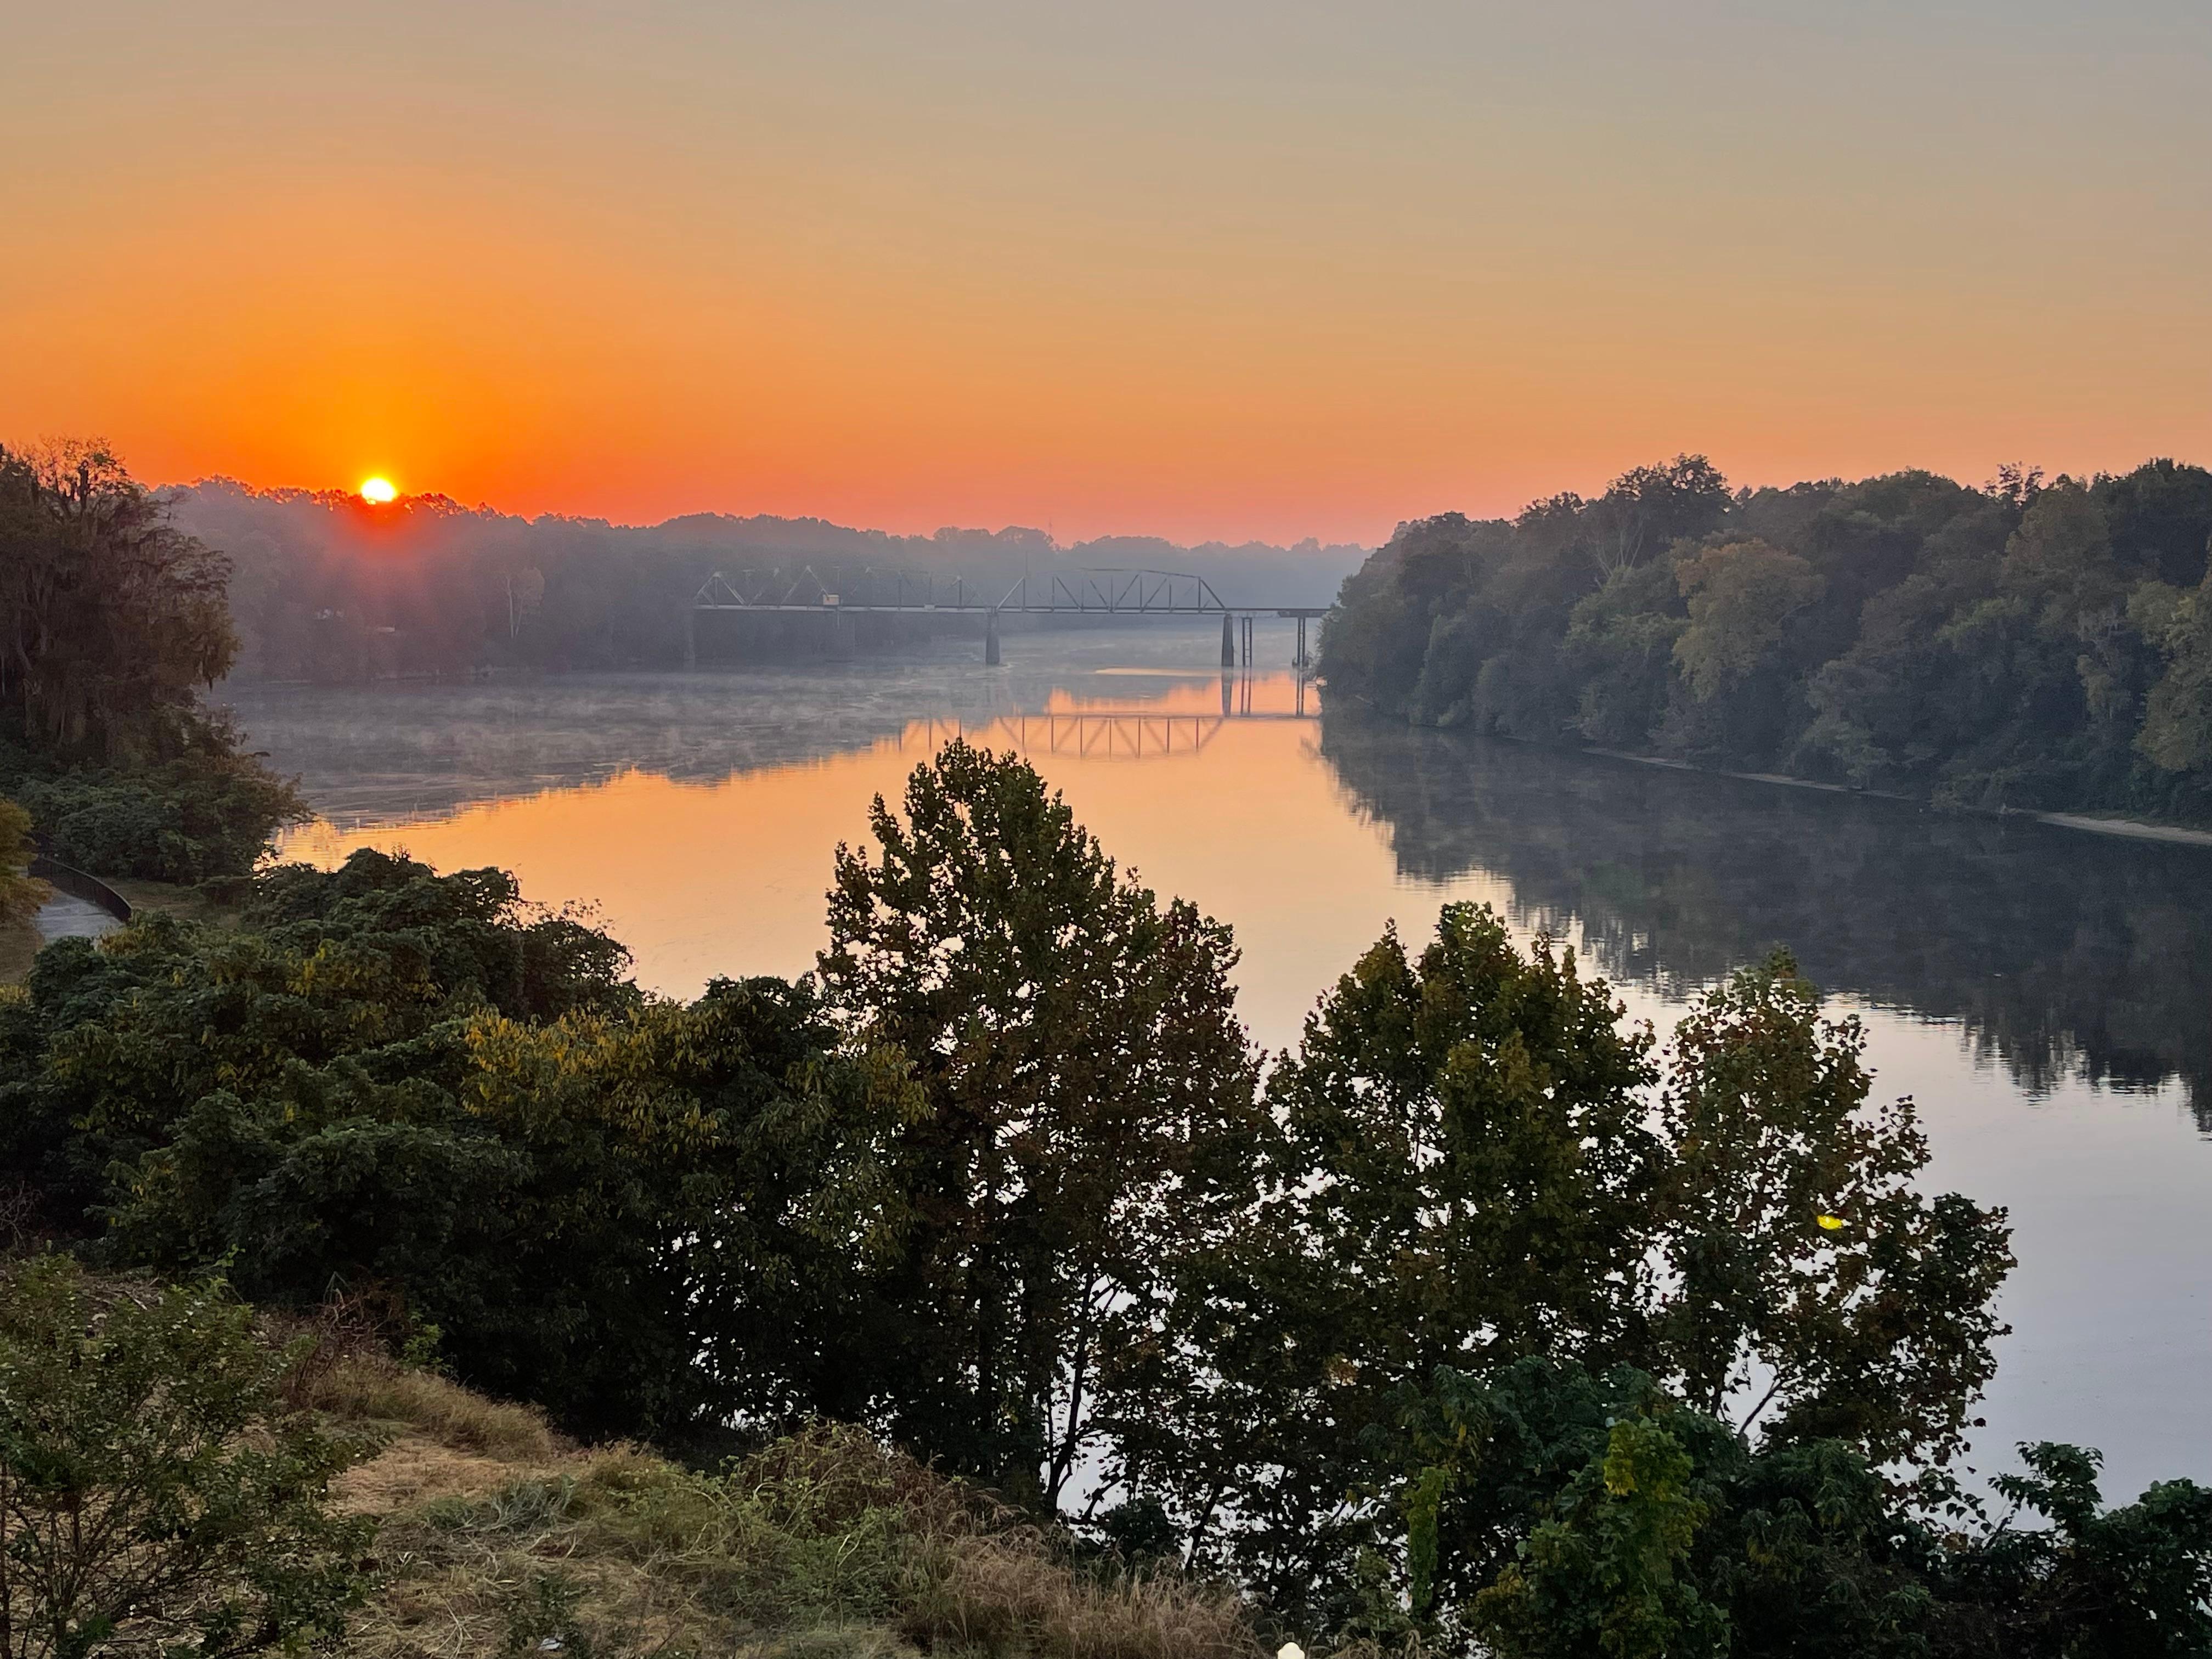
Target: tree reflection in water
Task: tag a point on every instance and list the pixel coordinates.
(2057, 950)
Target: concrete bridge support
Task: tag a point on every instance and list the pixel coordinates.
(1228, 641)
(991, 658)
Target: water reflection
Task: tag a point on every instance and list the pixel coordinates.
(418, 751)
(2061, 953)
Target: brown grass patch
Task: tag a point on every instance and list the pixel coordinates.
(411, 1472)
(367, 1388)
(825, 1546)
(1000, 1596)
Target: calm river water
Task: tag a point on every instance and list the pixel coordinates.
(2045, 993)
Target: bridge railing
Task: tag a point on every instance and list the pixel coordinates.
(1101, 591)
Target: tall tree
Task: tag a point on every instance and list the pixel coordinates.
(1805, 1274)
(111, 619)
(1088, 1090)
(1478, 1162)
(1460, 1176)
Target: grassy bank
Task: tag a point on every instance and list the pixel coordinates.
(497, 1537)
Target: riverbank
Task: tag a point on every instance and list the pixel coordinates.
(2133, 829)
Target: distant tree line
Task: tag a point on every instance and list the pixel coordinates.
(1480, 1322)
(2026, 644)
(114, 624)
(326, 586)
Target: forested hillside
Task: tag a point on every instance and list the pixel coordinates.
(2026, 644)
(327, 586)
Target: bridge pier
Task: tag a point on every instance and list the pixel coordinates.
(1300, 661)
(991, 659)
(1228, 641)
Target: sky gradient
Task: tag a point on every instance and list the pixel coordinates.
(1222, 268)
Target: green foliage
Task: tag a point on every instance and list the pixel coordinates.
(1087, 1094)
(1574, 1514)
(20, 896)
(1469, 1171)
(111, 620)
(207, 812)
(2016, 646)
(2091, 1582)
(415, 1085)
(1802, 1269)
(1620, 644)
(2177, 728)
(1602, 1575)
(155, 1495)
(1741, 597)
(111, 623)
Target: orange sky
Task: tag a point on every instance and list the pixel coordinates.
(1218, 268)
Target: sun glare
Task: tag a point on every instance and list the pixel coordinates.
(378, 490)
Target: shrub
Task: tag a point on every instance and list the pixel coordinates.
(156, 1497)
(202, 815)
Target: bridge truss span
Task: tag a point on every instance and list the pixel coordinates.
(1105, 591)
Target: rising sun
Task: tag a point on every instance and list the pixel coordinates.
(378, 490)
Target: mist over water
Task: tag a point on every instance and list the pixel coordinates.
(2045, 994)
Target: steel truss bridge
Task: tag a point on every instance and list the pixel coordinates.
(1095, 592)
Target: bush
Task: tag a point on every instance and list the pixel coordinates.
(202, 815)
(156, 1497)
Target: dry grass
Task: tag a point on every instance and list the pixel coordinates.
(1007, 1596)
(498, 1539)
(366, 1388)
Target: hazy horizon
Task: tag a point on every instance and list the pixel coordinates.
(1588, 489)
(334, 495)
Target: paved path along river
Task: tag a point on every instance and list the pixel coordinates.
(64, 916)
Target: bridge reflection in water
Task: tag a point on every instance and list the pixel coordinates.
(1113, 733)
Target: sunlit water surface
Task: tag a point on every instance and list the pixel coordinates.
(2045, 993)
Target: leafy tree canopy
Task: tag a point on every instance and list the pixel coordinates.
(113, 622)
(2026, 644)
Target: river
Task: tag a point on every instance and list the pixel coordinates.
(2044, 993)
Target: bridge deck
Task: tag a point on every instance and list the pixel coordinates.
(1034, 609)
(1099, 592)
